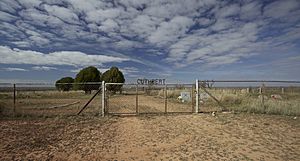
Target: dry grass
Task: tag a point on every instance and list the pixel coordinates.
(252, 103)
(29, 102)
(42, 104)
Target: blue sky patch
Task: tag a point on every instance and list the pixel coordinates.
(180, 41)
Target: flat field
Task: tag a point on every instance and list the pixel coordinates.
(40, 132)
(173, 137)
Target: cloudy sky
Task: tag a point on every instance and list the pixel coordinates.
(43, 40)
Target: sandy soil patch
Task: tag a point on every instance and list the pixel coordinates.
(176, 137)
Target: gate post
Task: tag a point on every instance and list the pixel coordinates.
(103, 98)
(137, 99)
(166, 98)
(197, 96)
(14, 98)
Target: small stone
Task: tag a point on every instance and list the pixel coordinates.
(213, 114)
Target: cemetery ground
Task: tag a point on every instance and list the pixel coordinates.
(228, 136)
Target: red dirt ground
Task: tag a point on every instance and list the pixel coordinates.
(176, 137)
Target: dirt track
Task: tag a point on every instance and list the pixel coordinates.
(181, 137)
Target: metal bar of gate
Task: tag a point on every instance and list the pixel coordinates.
(137, 99)
(192, 95)
(166, 101)
(103, 98)
(197, 96)
(14, 98)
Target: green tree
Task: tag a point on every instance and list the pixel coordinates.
(113, 75)
(89, 74)
(64, 84)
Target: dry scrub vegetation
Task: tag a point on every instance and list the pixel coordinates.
(241, 101)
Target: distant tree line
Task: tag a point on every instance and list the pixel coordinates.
(89, 75)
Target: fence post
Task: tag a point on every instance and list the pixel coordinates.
(14, 98)
(282, 90)
(165, 93)
(137, 99)
(103, 98)
(262, 95)
(192, 99)
(197, 96)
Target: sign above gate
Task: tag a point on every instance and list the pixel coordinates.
(151, 81)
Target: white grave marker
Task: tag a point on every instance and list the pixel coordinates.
(185, 96)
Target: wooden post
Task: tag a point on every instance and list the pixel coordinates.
(282, 90)
(166, 95)
(103, 98)
(14, 98)
(137, 99)
(197, 96)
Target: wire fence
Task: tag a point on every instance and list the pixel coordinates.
(66, 99)
(272, 97)
(47, 100)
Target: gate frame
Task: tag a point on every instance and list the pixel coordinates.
(102, 111)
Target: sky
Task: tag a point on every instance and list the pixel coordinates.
(176, 40)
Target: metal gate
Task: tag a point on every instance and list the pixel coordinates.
(136, 99)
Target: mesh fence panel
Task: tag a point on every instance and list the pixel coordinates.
(121, 98)
(147, 99)
(48, 100)
(180, 97)
(254, 97)
(6, 99)
(151, 99)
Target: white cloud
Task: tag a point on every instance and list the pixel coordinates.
(62, 13)
(109, 25)
(30, 3)
(39, 40)
(205, 21)
(43, 68)
(223, 24)
(281, 9)
(170, 9)
(14, 69)
(250, 11)
(73, 58)
(129, 70)
(10, 31)
(229, 10)
(9, 6)
(22, 43)
(184, 32)
(170, 31)
(86, 6)
(98, 16)
(144, 25)
(7, 17)
(35, 16)
(214, 49)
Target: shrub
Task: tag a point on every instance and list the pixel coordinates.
(89, 74)
(113, 75)
(67, 84)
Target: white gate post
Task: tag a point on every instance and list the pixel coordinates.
(103, 98)
(197, 96)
